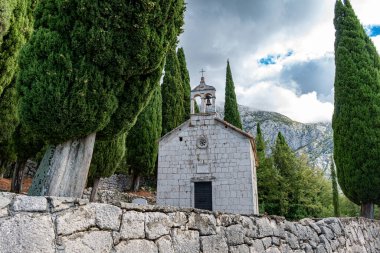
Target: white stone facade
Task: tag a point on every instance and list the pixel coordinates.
(226, 159)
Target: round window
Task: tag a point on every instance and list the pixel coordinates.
(202, 142)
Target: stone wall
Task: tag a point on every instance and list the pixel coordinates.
(50, 224)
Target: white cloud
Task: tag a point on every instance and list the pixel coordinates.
(376, 41)
(267, 96)
(246, 32)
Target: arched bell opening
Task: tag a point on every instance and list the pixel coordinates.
(196, 103)
(204, 96)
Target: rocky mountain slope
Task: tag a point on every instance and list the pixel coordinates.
(314, 140)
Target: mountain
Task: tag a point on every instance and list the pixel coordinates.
(315, 139)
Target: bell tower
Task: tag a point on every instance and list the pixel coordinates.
(207, 95)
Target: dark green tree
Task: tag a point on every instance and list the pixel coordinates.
(172, 94)
(284, 161)
(268, 179)
(335, 192)
(85, 70)
(16, 25)
(142, 140)
(305, 191)
(106, 159)
(8, 123)
(231, 112)
(356, 116)
(185, 83)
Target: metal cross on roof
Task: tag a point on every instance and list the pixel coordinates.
(202, 71)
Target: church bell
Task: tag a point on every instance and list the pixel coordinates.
(208, 102)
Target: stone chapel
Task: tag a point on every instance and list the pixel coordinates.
(207, 163)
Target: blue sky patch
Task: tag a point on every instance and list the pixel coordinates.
(268, 60)
(271, 59)
(373, 30)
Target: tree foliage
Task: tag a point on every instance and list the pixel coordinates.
(268, 179)
(289, 186)
(142, 140)
(16, 23)
(185, 77)
(231, 112)
(172, 94)
(356, 116)
(85, 68)
(106, 157)
(15, 29)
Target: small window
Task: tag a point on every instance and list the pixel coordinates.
(180, 139)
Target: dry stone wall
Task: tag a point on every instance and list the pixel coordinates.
(50, 224)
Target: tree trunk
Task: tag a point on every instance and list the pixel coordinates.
(367, 210)
(94, 190)
(64, 168)
(136, 183)
(18, 176)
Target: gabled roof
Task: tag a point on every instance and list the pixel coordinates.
(238, 130)
(175, 129)
(203, 86)
(246, 134)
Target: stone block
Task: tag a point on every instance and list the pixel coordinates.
(273, 250)
(204, 223)
(88, 242)
(5, 201)
(235, 235)
(239, 249)
(267, 242)
(185, 241)
(108, 216)
(165, 245)
(135, 246)
(23, 203)
(264, 227)
(214, 244)
(75, 220)
(257, 246)
(26, 232)
(156, 225)
(133, 225)
(178, 219)
(292, 240)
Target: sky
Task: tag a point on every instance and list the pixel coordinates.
(281, 52)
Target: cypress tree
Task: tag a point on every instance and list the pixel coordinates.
(268, 179)
(260, 143)
(356, 111)
(15, 29)
(335, 192)
(84, 71)
(185, 83)
(172, 94)
(107, 157)
(284, 161)
(16, 24)
(231, 112)
(142, 140)
(303, 191)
